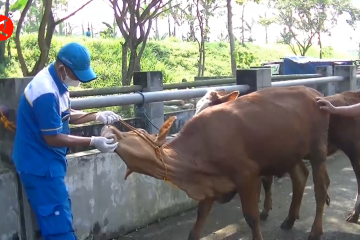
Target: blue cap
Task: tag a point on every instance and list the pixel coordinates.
(76, 57)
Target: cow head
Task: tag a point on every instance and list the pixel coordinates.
(214, 98)
(138, 153)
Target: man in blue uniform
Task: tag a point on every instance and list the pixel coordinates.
(42, 138)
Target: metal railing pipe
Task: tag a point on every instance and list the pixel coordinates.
(147, 97)
(308, 81)
(294, 76)
(169, 86)
(105, 91)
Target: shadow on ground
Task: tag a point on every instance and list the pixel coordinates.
(226, 221)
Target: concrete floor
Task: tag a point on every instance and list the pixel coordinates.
(227, 222)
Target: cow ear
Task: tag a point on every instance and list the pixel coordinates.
(229, 97)
(164, 131)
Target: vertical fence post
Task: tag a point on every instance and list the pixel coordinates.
(255, 78)
(327, 88)
(349, 73)
(153, 113)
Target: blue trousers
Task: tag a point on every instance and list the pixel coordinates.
(49, 198)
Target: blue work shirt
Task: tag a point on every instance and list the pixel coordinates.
(44, 109)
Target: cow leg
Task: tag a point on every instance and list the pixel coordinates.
(353, 153)
(248, 189)
(267, 185)
(298, 177)
(321, 183)
(203, 210)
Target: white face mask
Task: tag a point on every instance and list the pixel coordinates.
(70, 82)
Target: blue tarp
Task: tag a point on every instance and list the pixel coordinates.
(307, 65)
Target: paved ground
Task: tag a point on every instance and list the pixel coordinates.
(226, 221)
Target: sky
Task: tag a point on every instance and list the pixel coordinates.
(343, 37)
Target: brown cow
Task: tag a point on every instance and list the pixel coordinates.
(298, 175)
(343, 135)
(226, 148)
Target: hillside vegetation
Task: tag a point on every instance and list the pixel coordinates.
(177, 60)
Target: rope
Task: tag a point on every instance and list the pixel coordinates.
(7, 124)
(143, 110)
(156, 148)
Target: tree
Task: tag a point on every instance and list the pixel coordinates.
(108, 32)
(266, 22)
(307, 19)
(200, 15)
(209, 8)
(242, 3)
(45, 32)
(6, 5)
(204, 10)
(231, 37)
(33, 18)
(249, 28)
(231, 32)
(134, 19)
(179, 15)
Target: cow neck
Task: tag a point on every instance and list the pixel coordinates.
(180, 165)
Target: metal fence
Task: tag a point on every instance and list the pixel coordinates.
(173, 86)
(159, 96)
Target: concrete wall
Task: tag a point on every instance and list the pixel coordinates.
(9, 207)
(10, 220)
(106, 206)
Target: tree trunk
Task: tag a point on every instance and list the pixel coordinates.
(46, 32)
(92, 30)
(199, 61)
(157, 35)
(114, 28)
(3, 43)
(9, 49)
(231, 37)
(243, 25)
(192, 36)
(206, 38)
(21, 58)
(169, 26)
(203, 59)
(320, 45)
(266, 35)
(124, 69)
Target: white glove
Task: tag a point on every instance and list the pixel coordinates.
(104, 145)
(107, 117)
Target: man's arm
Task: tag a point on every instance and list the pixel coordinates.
(348, 111)
(80, 117)
(62, 140)
(46, 110)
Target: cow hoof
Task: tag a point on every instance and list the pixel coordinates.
(263, 216)
(353, 218)
(287, 224)
(192, 237)
(311, 237)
